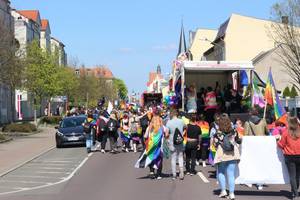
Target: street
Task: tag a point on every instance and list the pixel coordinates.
(112, 176)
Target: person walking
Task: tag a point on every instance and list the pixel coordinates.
(227, 155)
(256, 126)
(88, 128)
(289, 142)
(112, 126)
(193, 134)
(133, 129)
(205, 139)
(144, 123)
(153, 154)
(102, 132)
(176, 125)
(125, 134)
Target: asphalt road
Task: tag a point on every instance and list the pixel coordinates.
(112, 177)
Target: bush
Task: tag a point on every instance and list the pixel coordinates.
(286, 92)
(294, 92)
(51, 120)
(2, 137)
(20, 127)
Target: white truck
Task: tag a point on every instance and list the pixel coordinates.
(207, 73)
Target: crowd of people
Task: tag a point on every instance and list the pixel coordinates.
(211, 100)
(189, 140)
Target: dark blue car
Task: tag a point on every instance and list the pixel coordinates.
(70, 131)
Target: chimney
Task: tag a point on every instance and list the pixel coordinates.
(285, 19)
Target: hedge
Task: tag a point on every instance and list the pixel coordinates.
(20, 127)
(2, 137)
(51, 120)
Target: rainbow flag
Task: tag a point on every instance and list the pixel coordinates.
(272, 98)
(125, 136)
(204, 126)
(212, 154)
(153, 153)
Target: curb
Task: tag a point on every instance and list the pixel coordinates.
(25, 162)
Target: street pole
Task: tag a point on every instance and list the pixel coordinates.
(87, 100)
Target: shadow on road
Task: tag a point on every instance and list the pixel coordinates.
(283, 193)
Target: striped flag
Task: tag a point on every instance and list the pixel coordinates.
(153, 153)
(272, 98)
(257, 96)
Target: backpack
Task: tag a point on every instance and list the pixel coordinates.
(144, 122)
(112, 125)
(226, 144)
(134, 126)
(178, 138)
(87, 128)
(102, 125)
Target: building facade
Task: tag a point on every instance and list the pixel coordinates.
(45, 40)
(27, 27)
(7, 33)
(59, 48)
(242, 38)
(200, 41)
(98, 72)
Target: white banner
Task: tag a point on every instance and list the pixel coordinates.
(261, 162)
(110, 107)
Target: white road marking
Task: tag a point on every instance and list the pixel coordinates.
(27, 161)
(13, 188)
(204, 179)
(47, 172)
(56, 161)
(19, 176)
(53, 168)
(16, 181)
(51, 184)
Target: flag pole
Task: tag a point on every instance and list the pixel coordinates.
(265, 110)
(266, 102)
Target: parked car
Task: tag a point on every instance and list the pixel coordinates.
(70, 131)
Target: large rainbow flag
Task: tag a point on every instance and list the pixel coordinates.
(272, 98)
(153, 153)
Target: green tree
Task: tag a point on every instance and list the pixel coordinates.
(294, 92)
(286, 92)
(121, 88)
(286, 35)
(69, 83)
(42, 77)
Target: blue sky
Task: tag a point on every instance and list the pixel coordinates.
(133, 36)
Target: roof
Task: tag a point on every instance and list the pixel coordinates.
(98, 72)
(152, 77)
(53, 38)
(222, 30)
(45, 24)
(182, 43)
(30, 14)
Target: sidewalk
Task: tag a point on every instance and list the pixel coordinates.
(21, 149)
